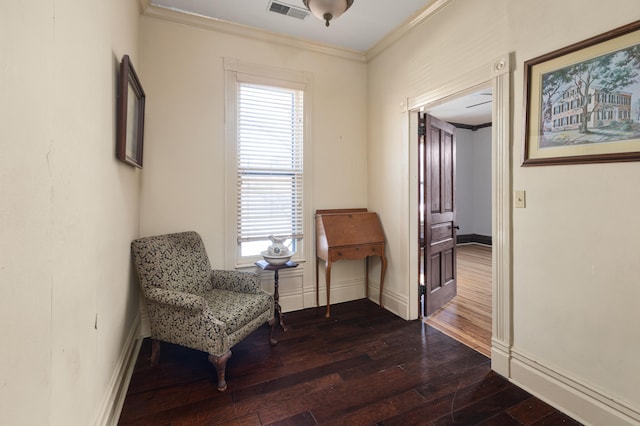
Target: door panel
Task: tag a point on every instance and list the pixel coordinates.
(436, 277)
(437, 211)
(442, 233)
(449, 273)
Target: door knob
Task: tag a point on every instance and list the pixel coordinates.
(457, 227)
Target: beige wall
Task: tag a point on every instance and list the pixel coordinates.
(184, 174)
(69, 209)
(575, 245)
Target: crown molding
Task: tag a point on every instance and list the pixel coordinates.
(409, 25)
(218, 25)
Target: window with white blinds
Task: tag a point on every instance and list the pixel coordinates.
(270, 129)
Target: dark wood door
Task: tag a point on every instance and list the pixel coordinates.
(437, 170)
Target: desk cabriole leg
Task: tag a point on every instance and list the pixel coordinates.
(366, 277)
(317, 287)
(328, 279)
(382, 272)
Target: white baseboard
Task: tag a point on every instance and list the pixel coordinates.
(290, 303)
(500, 358)
(113, 401)
(392, 301)
(582, 402)
(341, 291)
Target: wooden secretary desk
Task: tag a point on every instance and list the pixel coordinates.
(348, 234)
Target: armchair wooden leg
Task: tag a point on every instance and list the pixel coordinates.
(220, 363)
(272, 323)
(155, 351)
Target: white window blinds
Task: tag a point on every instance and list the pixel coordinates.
(270, 162)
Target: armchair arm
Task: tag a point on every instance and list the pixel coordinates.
(178, 299)
(242, 282)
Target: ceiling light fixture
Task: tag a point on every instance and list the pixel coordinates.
(327, 9)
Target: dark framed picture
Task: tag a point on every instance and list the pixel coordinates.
(130, 119)
(582, 102)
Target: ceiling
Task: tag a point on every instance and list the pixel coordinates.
(473, 109)
(360, 28)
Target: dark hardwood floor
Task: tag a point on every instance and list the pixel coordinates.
(363, 366)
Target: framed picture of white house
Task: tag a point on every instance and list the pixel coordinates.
(582, 102)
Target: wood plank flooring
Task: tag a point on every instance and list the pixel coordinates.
(467, 317)
(363, 366)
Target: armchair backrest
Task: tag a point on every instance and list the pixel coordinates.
(172, 262)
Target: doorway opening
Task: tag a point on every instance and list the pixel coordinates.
(497, 74)
(467, 316)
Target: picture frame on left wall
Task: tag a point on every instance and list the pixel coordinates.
(130, 118)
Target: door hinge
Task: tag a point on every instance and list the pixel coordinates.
(422, 129)
(422, 290)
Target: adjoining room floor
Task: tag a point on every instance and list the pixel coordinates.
(467, 318)
(363, 366)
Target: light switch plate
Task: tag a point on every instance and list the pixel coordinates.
(519, 199)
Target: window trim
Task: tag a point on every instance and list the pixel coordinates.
(237, 71)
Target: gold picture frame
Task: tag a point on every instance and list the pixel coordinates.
(582, 102)
(130, 119)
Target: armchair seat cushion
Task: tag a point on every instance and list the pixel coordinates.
(236, 309)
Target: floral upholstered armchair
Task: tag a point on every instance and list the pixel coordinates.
(191, 305)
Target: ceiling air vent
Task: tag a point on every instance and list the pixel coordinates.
(288, 10)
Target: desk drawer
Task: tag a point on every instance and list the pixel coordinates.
(359, 252)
